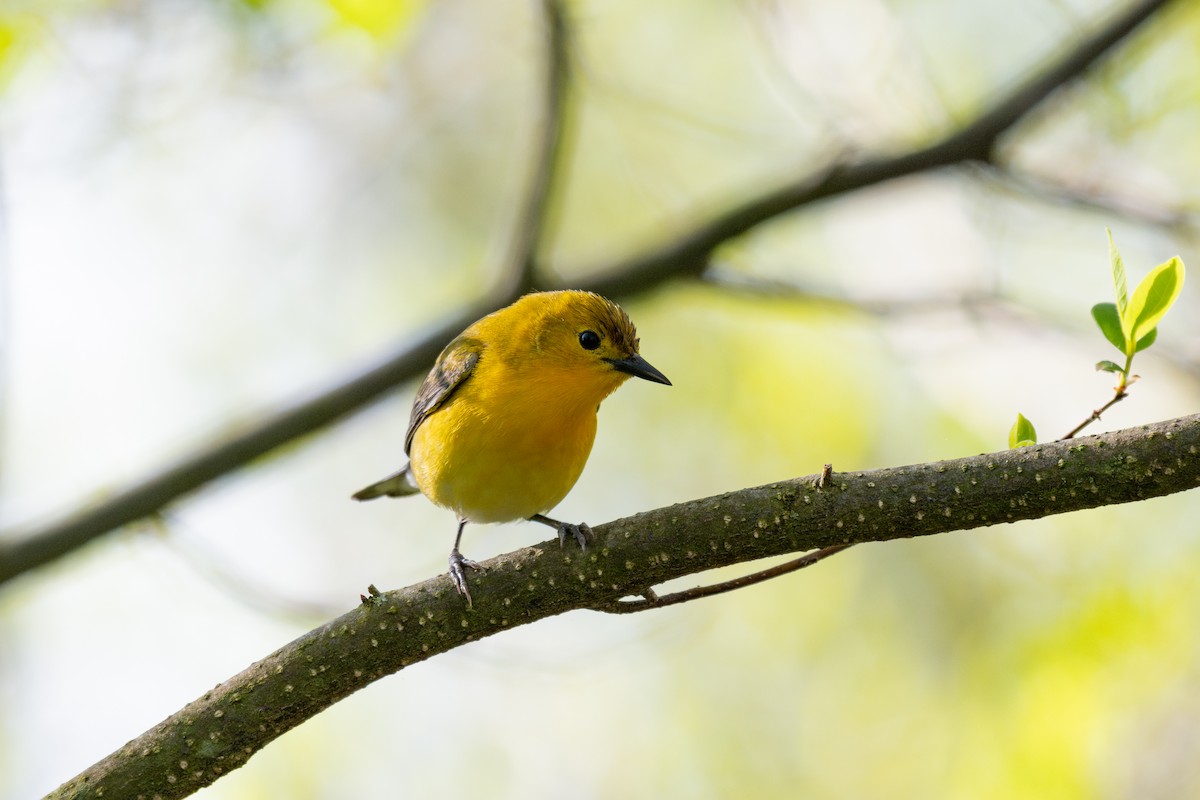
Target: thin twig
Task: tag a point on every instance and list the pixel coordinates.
(687, 255)
(1095, 415)
(651, 600)
(1057, 191)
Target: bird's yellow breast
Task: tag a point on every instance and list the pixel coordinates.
(511, 441)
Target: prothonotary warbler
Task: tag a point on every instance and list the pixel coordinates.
(504, 422)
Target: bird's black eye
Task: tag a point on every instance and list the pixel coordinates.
(589, 340)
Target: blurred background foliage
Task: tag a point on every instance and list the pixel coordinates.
(211, 209)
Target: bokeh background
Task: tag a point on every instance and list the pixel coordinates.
(212, 209)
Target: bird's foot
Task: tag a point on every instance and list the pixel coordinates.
(458, 577)
(580, 533)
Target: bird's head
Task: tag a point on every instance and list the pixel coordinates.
(580, 337)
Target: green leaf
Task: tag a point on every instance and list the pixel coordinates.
(1108, 366)
(1118, 274)
(1151, 299)
(1146, 340)
(1022, 433)
(1109, 320)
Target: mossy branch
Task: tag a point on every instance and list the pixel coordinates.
(222, 729)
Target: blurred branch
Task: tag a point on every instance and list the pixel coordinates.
(690, 253)
(530, 229)
(1149, 211)
(223, 456)
(230, 584)
(686, 256)
(219, 731)
(983, 304)
(22, 553)
(970, 301)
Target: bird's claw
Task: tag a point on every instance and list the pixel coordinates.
(458, 577)
(581, 533)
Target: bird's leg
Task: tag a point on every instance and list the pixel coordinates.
(580, 533)
(457, 562)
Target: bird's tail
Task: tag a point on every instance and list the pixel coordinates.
(399, 485)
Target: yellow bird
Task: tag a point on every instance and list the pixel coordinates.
(504, 422)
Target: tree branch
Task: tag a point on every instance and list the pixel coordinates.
(687, 255)
(221, 730)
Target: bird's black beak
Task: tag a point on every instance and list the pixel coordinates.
(639, 368)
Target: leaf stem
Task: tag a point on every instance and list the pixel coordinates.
(1119, 389)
